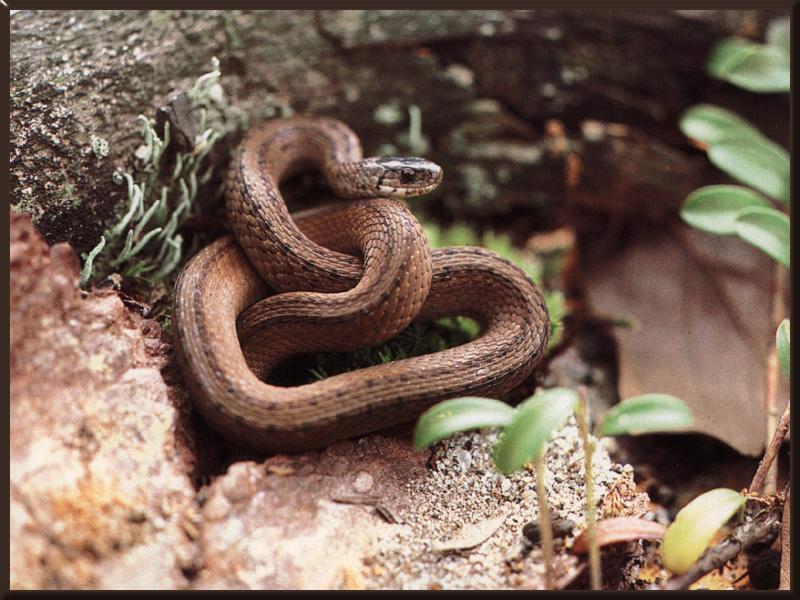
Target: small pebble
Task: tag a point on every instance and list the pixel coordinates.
(464, 459)
(363, 482)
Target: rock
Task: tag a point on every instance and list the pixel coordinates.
(98, 489)
(283, 524)
(102, 452)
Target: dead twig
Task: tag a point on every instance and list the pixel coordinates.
(757, 484)
(786, 545)
(762, 529)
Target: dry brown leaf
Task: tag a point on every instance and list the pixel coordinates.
(471, 535)
(619, 529)
(652, 573)
(702, 304)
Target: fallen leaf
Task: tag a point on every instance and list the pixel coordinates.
(702, 303)
(652, 574)
(471, 535)
(619, 529)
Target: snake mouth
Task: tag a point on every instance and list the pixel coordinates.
(409, 192)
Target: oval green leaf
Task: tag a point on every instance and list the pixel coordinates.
(526, 437)
(460, 414)
(727, 54)
(710, 124)
(750, 66)
(647, 413)
(778, 33)
(714, 208)
(782, 346)
(694, 526)
(767, 229)
(757, 162)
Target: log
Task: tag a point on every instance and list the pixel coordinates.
(484, 83)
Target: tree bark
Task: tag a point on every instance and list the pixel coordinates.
(483, 82)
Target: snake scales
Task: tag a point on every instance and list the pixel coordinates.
(338, 278)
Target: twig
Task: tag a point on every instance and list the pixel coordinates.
(591, 504)
(757, 485)
(786, 545)
(762, 529)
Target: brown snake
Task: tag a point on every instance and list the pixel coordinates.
(349, 275)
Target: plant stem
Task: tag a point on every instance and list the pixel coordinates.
(771, 380)
(771, 452)
(771, 409)
(545, 524)
(591, 505)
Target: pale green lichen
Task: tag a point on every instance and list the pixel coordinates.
(99, 147)
(145, 244)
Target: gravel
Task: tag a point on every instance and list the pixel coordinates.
(477, 514)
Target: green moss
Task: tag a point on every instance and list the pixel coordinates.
(416, 340)
(462, 235)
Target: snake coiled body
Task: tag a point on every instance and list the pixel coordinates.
(338, 278)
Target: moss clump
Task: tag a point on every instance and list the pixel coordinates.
(462, 235)
(417, 339)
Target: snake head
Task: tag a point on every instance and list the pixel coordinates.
(402, 176)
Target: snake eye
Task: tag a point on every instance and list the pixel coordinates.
(406, 175)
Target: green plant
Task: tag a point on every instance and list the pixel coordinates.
(753, 66)
(782, 339)
(416, 340)
(695, 525)
(527, 428)
(647, 413)
(526, 431)
(737, 148)
(462, 235)
(145, 243)
(741, 151)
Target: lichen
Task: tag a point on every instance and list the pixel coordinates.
(145, 243)
(99, 147)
